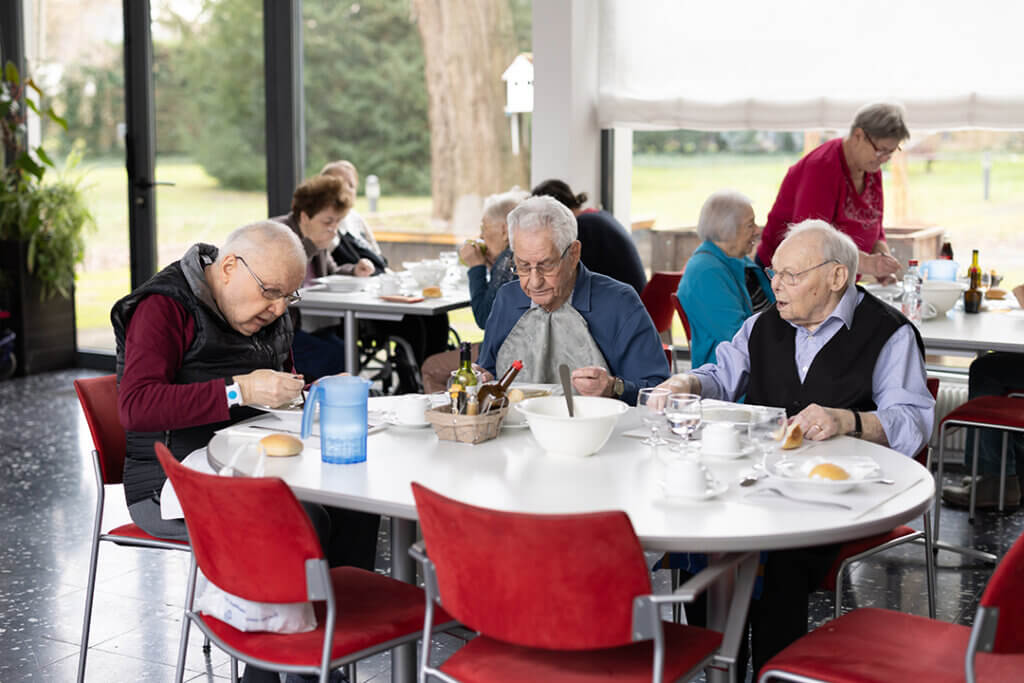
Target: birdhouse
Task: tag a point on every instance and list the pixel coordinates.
(518, 79)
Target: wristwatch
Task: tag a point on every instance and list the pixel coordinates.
(858, 429)
(618, 387)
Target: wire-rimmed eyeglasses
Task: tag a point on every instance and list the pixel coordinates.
(270, 293)
(789, 277)
(544, 268)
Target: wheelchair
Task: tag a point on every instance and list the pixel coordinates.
(390, 360)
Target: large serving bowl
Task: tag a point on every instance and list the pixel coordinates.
(584, 434)
(941, 294)
(427, 273)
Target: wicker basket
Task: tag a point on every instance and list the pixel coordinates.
(465, 428)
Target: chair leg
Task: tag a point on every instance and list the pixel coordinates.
(350, 672)
(1002, 471)
(974, 480)
(677, 608)
(938, 482)
(186, 622)
(234, 670)
(929, 564)
(83, 648)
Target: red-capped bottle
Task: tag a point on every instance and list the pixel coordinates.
(492, 395)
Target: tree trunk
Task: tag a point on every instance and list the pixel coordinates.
(467, 44)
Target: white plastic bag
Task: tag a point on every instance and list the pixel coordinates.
(292, 617)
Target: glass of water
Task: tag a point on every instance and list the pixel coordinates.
(683, 414)
(651, 402)
(766, 428)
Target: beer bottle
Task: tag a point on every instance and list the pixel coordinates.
(972, 297)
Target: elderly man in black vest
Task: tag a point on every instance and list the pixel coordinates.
(839, 361)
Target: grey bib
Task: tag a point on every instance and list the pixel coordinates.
(543, 341)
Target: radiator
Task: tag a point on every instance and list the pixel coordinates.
(952, 394)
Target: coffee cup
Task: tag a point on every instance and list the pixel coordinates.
(685, 477)
(411, 408)
(720, 437)
(388, 285)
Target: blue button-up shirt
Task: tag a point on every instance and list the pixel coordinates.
(906, 408)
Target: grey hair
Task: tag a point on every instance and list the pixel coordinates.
(266, 237)
(543, 213)
(881, 120)
(721, 215)
(498, 206)
(835, 245)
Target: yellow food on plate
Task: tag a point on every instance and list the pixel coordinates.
(515, 395)
(794, 437)
(432, 292)
(281, 445)
(995, 293)
(827, 470)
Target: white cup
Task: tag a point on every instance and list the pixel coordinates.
(388, 284)
(720, 437)
(684, 477)
(411, 408)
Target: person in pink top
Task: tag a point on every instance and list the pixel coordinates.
(841, 182)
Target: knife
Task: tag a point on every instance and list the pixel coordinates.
(563, 373)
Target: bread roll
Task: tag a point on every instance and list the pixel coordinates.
(432, 292)
(281, 445)
(794, 437)
(827, 470)
(995, 293)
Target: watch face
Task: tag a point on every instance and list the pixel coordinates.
(618, 386)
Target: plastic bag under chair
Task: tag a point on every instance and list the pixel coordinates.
(245, 615)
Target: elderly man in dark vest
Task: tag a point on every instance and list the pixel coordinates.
(839, 361)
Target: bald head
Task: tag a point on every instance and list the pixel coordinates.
(266, 240)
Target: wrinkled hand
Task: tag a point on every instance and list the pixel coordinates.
(471, 255)
(269, 387)
(880, 265)
(681, 384)
(820, 423)
(592, 381)
(364, 268)
(484, 375)
(886, 280)
(1018, 292)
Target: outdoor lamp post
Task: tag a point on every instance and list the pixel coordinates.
(372, 191)
(518, 79)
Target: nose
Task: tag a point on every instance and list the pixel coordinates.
(278, 307)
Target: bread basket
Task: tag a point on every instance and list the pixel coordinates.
(465, 428)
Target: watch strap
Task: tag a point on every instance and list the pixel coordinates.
(858, 427)
(234, 394)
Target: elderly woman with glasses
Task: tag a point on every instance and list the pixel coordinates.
(841, 182)
(561, 312)
(722, 286)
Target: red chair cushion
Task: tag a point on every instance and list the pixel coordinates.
(133, 531)
(371, 609)
(1004, 591)
(994, 410)
(870, 644)
(852, 548)
(485, 659)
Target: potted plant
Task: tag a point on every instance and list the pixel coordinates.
(42, 235)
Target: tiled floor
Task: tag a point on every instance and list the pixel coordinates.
(46, 512)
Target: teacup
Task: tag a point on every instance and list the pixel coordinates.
(411, 408)
(685, 477)
(720, 437)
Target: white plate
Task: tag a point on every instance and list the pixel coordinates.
(342, 283)
(406, 425)
(746, 448)
(883, 290)
(289, 413)
(716, 488)
(793, 473)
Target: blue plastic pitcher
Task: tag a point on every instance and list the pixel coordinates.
(342, 418)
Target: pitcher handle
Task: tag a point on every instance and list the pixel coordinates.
(312, 398)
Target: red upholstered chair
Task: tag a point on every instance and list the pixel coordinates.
(277, 558)
(515, 579)
(657, 301)
(870, 644)
(98, 397)
(863, 548)
(994, 412)
(678, 305)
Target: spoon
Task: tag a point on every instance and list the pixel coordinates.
(563, 373)
(752, 478)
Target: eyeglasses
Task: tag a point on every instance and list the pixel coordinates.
(880, 153)
(269, 292)
(789, 277)
(544, 268)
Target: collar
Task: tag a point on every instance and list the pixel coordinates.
(193, 266)
(844, 310)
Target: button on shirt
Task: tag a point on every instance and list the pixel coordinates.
(899, 386)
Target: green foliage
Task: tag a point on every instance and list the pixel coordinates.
(50, 217)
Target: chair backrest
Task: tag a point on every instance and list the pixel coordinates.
(682, 316)
(250, 536)
(933, 389)
(561, 582)
(656, 297)
(98, 396)
(1004, 592)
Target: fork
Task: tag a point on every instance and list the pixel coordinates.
(825, 503)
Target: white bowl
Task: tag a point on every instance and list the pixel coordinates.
(942, 294)
(584, 434)
(427, 273)
(342, 283)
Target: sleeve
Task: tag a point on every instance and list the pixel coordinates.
(906, 408)
(717, 317)
(727, 379)
(481, 296)
(148, 400)
(639, 359)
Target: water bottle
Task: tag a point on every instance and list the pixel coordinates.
(343, 418)
(912, 292)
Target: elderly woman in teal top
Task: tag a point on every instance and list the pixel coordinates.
(722, 286)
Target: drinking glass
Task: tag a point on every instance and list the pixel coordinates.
(766, 428)
(651, 402)
(683, 413)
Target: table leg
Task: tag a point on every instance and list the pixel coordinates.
(728, 603)
(351, 350)
(403, 535)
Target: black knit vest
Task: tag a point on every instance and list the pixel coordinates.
(840, 374)
(217, 351)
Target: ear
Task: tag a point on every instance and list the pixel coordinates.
(839, 277)
(226, 267)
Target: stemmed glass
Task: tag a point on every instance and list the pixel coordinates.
(651, 402)
(683, 413)
(766, 428)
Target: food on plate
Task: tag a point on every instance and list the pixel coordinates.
(281, 445)
(995, 293)
(432, 292)
(515, 395)
(827, 470)
(794, 436)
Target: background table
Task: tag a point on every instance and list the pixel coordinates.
(990, 330)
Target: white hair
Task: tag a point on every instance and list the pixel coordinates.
(265, 237)
(721, 215)
(543, 213)
(498, 206)
(835, 245)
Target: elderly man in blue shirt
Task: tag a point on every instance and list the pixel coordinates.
(561, 312)
(840, 362)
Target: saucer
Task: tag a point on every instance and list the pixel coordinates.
(716, 488)
(406, 425)
(746, 448)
